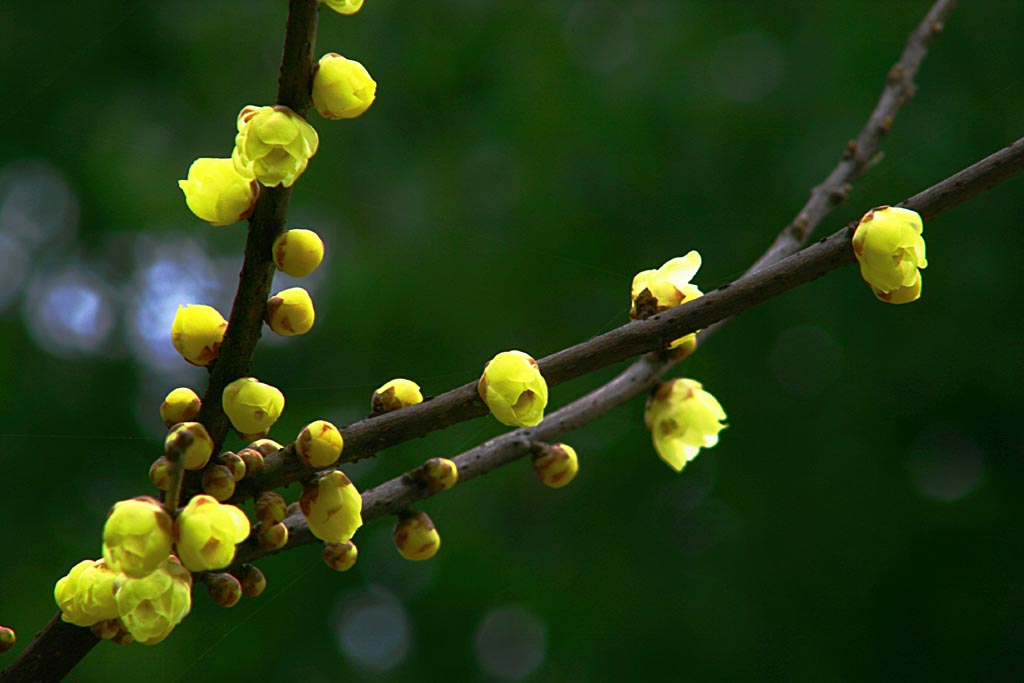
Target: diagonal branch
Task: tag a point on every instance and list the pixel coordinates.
(805, 266)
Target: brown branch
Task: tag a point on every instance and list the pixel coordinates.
(246, 322)
(60, 646)
(805, 266)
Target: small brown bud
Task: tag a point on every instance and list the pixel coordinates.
(340, 556)
(224, 589)
(252, 579)
(270, 507)
(218, 482)
(416, 536)
(273, 537)
(235, 465)
(253, 460)
(439, 474)
(106, 629)
(7, 638)
(159, 473)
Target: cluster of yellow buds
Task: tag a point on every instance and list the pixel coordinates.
(891, 251)
(683, 418)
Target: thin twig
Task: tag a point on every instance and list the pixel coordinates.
(812, 262)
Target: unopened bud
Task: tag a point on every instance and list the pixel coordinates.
(265, 447)
(340, 556)
(252, 406)
(252, 579)
(556, 465)
(439, 474)
(197, 333)
(319, 444)
(416, 536)
(7, 638)
(398, 393)
(234, 464)
(253, 460)
(298, 252)
(273, 537)
(123, 637)
(199, 446)
(106, 629)
(290, 312)
(218, 482)
(159, 473)
(181, 405)
(270, 507)
(224, 589)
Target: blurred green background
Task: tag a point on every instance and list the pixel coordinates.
(859, 519)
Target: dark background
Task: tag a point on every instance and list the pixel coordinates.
(859, 519)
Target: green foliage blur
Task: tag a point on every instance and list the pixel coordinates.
(859, 518)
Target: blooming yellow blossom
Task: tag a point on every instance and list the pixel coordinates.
(198, 451)
(343, 6)
(513, 389)
(342, 88)
(556, 465)
(136, 536)
(217, 193)
(416, 536)
(683, 418)
(152, 606)
(298, 252)
(274, 145)
(319, 444)
(206, 532)
(398, 393)
(654, 291)
(332, 507)
(86, 595)
(180, 405)
(890, 249)
(290, 312)
(252, 406)
(197, 333)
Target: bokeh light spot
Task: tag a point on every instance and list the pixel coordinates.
(946, 465)
(510, 643)
(373, 629)
(746, 67)
(69, 313)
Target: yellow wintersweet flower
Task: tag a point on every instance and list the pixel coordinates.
(180, 405)
(683, 418)
(890, 249)
(342, 88)
(252, 406)
(217, 193)
(274, 145)
(137, 536)
(513, 389)
(343, 6)
(298, 252)
(319, 444)
(398, 393)
(197, 333)
(206, 532)
(658, 290)
(416, 536)
(332, 507)
(152, 606)
(290, 312)
(198, 451)
(86, 595)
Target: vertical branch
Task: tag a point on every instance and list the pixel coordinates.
(246, 322)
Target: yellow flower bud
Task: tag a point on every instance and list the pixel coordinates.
(197, 333)
(513, 389)
(890, 249)
(332, 507)
(217, 193)
(342, 88)
(159, 473)
(235, 465)
(252, 579)
(223, 589)
(218, 482)
(8, 638)
(683, 418)
(108, 629)
(290, 312)
(199, 450)
(122, 637)
(272, 537)
(319, 444)
(439, 474)
(207, 531)
(252, 406)
(340, 556)
(265, 447)
(415, 536)
(654, 291)
(298, 252)
(343, 6)
(556, 465)
(86, 595)
(270, 507)
(274, 145)
(181, 405)
(398, 393)
(136, 536)
(152, 606)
